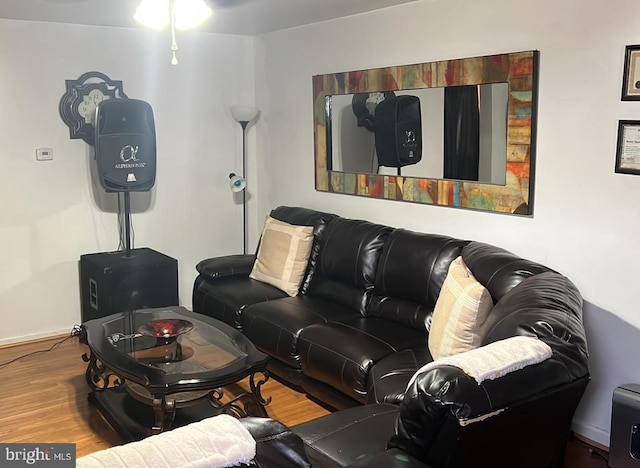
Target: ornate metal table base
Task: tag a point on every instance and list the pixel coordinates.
(100, 378)
(164, 407)
(246, 404)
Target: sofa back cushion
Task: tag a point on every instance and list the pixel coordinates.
(497, 269)
(301, 216)
(410, 274)
(345, 268)
(549, 307)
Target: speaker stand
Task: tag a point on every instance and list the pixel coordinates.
(127, 224)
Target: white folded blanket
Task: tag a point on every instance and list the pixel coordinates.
(219, 441)
(495, 359)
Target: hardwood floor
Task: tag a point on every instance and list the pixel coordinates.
(44, 399)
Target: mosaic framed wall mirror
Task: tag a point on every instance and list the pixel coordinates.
(458, 133)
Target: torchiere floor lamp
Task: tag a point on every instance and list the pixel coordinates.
(243, 115)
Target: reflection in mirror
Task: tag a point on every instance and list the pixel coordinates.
(479, 159)
(351, 137)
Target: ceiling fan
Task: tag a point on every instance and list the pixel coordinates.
(213, 4)
(179, 14)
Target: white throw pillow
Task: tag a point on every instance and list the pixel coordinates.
(283, 255)
(461, 309)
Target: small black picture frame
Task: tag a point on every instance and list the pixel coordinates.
(631, 76)
(628, 148)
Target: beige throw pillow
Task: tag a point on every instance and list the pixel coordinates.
(283, 255)
(461, 309)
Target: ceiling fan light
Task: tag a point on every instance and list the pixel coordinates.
(153, 13)
(190, 13)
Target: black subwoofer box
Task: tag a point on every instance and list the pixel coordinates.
(113, 282)
(624, 443)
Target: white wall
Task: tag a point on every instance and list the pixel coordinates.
(49, 213)
(586, 220)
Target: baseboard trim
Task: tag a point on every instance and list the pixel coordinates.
(592, 443)
(34, 337)
(592, 435)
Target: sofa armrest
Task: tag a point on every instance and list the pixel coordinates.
(230, 265)
(276, 444)
(446, 395)
(457, 393)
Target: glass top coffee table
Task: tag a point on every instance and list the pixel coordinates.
(153, 369)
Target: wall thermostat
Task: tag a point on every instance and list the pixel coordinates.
(44, 154)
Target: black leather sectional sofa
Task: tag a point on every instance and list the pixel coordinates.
(358, 331)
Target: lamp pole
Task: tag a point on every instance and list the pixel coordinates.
(243, 124)
(244, 115)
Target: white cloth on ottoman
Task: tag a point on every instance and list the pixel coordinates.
(219, 441)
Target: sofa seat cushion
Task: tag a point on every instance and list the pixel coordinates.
(274, 326)
(342, 354)
(225, 298)
(390, 376)
(341, 438)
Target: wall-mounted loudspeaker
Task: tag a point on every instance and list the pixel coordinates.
(125, 145)
(398, 131)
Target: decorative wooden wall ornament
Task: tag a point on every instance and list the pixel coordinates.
(78, 104)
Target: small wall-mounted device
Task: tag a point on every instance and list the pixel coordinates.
(44, 154)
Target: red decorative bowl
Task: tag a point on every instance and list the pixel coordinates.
(165, 328)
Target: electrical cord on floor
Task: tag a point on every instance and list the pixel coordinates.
(75, 331)
(595, 453)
